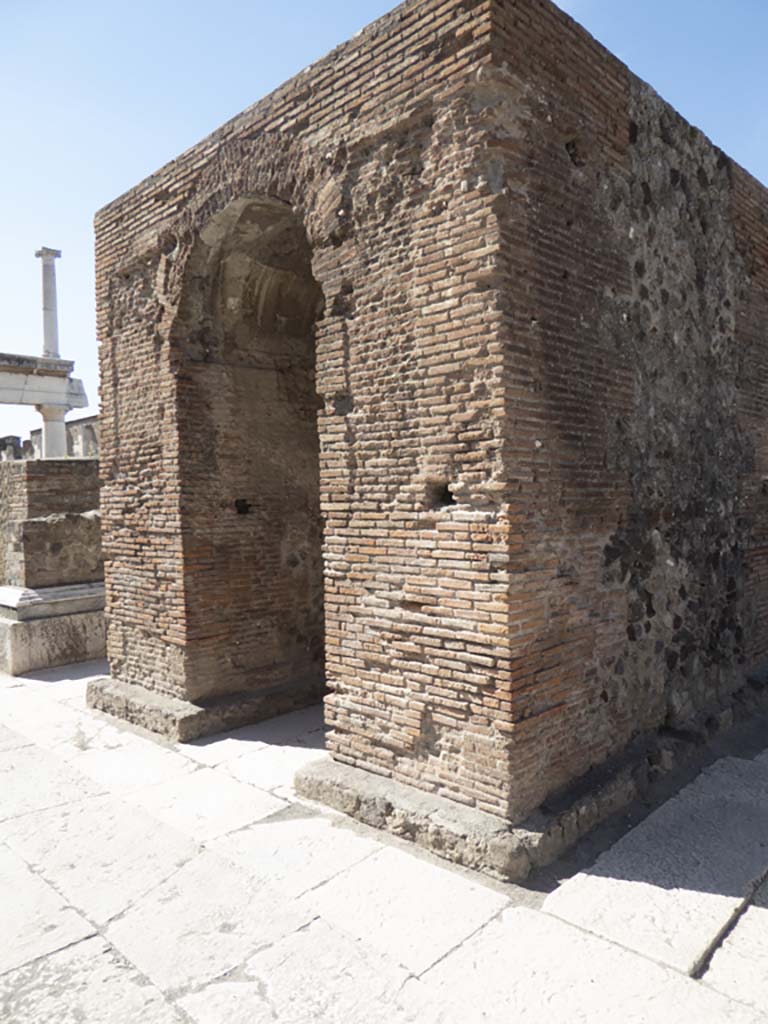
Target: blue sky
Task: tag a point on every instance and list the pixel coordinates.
(95, 95)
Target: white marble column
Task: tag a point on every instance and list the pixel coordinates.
(54, 431)
(50, 311)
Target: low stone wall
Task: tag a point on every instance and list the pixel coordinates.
(59, 549)
(51, 564)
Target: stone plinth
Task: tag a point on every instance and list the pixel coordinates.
(50, 626)
(185, 720)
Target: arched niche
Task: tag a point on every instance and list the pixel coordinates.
(243, 346)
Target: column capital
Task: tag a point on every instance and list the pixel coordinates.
(48, 254)
(52, 412)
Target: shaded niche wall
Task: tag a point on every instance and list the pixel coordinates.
(244, 342)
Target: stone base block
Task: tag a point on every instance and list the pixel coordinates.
(460, 834)
(513, 850)
(463, 835)
(51, 626)
(183, 720)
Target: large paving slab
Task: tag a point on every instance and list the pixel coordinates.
(209, 918)
(45, 722)
(34, 918)
(409, 909)
(225, 904)
(100, 854)
(318, 974)
(671, 886)
(84, 984)
(297, 854)
(205, 803)
(32, 779)
(529, 968)
(739, 968)
(65, 683)
(112, 756)
(120, 760)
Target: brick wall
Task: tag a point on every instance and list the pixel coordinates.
(520, 292)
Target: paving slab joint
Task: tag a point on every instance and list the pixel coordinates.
(701, 968)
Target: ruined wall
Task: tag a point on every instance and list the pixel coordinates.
(61, 485)
(633, 340)
(82, 440)
(526, 297)
(11, 447)
(143, 242)
(58, 550)
(49, 523)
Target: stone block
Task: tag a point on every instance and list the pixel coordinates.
(738, 968)
(410, 911)
(201, 923)
(529, 967)
(60, 549)
(87, 981)
(100, 858)
(318, 974)
(36, 919)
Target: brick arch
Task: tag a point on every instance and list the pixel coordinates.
(310, 179)
(222, 600)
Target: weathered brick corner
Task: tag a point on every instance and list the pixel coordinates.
(437, 377)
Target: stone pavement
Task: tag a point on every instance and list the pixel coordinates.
(148, 883)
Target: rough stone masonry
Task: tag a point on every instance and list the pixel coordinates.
(437, 379)
(51, 566)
